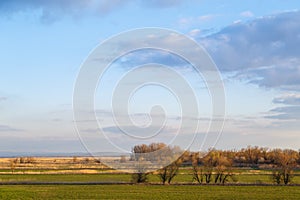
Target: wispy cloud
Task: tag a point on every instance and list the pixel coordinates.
(132, 129)
(50, 11)
(3, 98)
(67, 6)
(290, 109)
(194, 21)
(264, 51)
(286, 113)
(247, 14)
(162, 3)
(57, 120)
(151, 56)
(288, 99)
(5, 128)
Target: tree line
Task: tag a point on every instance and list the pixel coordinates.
(216, 166)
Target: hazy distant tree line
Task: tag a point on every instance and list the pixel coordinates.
(211, 167)
(216, 166)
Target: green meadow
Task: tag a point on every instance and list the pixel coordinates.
(147, 192)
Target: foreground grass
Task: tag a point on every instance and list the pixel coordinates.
(148, 192)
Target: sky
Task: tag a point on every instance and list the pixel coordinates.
(43, 45)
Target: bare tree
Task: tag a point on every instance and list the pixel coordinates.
(147, 152)
(286, 161)
(141, 175)
(213, 167)
(203, 167)
(209, 162)
(12, 164)
(122, 159)
(159, 154)
(276, 176)
(252, 155)
(222, 169)
(298, 160)
(75, 159)
(198, 174)
(167, 173)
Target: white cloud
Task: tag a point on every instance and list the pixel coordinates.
(237, 21)
(190, 21)
(247, 14)
(264, 51)
(195, 32)
(206, 17)
(288, 99)
(290, 109)
(185, 21)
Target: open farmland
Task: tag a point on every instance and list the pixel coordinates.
(87, 178)
(87, 170)
(148, 192)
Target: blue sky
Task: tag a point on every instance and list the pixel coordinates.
(255, 45)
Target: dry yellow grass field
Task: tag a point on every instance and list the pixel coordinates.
(53, 165)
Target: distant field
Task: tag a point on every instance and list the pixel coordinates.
(88, 169)
(52, 165)
(149, 192)
(110, 178)
(68, 178)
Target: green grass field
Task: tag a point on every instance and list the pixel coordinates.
(111, 178)
(148, 192)
(61, 179)
(119, 178)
